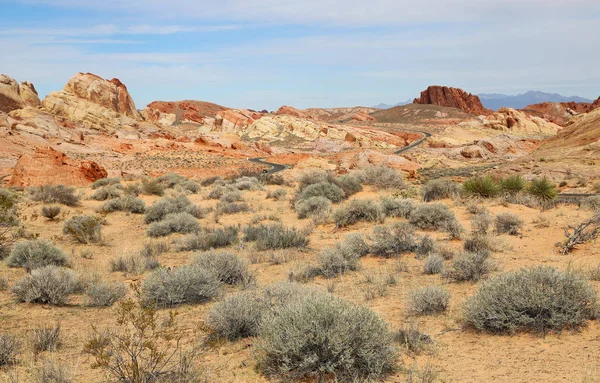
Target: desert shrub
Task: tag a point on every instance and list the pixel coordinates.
(485, 187)
(10, 347)
(36, 253)
(440, 189)
(208, 239)
(127, 203)
(227, 267)
(481, 223)
(349, 184)
(478, 243)
(356, 211)
(232, 196)
(100, 293)
(52, 372)
(412, 339)
(133, 264)
(428, 300)
(304, 274)
(55, 194)
(159, 210)
(237, 316)
(434, 264)
(8, 221)
(354, 243)
(183, 223)
(543, 189)
(537, 299)
(468, 267)
(513, 184)
(84, 229)
(198, 211)
(382, 177)
(581, 233)
(323, 189)
(106, 192)
(275, 236)
(278, 194)
(170, 180)
(50, 284)
(426, 246)
(232, 208)
(152, 187)
(247, 183)
(435, 216)
(272, 179)
(105, 182)
(318, 208)
(45, 338)
(392, 241)
(189, 186)
(210, 180)
(134, 189)
(508, 223)
(347, 342)
(591, 203)
(218, 190)
(476, 207)
(181, 285)
(334, 261)
(314, 177)
(50, 212)
(397, 207)
(153, 249)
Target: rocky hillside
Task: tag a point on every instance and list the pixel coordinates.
(560, 113)
(14, 96)
(452, 98)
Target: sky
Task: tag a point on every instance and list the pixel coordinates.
(262, 54)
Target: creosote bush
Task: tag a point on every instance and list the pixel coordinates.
(543, 189)
(357, 211)
(50, 284)
(84, 229)
(227, 267)
(36, 253)
(382, 177)
(183, 223)
(539, 299)
(50, 212)
(55, 194)
(428, 300)
(485, 187)
(440, 189)
(508, 223)
(10, 347)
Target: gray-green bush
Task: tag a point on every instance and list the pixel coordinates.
(392, 241)
(227, 267)
(183, 223)
(62, 194)
(105, 182)
(356, 211)
(101, 293)
(318, 208)
(84, 229)
(275, 236)
(50, 212)
(46, 338)
(434, 264)
(349, 184)
(468, 267)
(10, 347)
(107, 192)
(382, 177)
(324, 189)
(50, 284)
(181, 285)
(508, 223)
(36, 253)
(127, 203)
(428, 300)
(165, 206)
(440, 189)
(436, 216)
(208, 239)
(397, 207)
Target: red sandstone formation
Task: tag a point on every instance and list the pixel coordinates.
(453, 98)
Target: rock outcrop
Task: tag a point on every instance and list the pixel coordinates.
(291, 111)
(14, 96)
(453, 98)
(167, 113)
(231, 120)
(560, 112)
(516, 122)
(47, 166)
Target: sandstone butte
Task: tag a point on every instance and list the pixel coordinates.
(452, 98)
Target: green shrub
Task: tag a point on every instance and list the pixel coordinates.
(10, 347)
(468, 267)
(165, 206)
(397, 207)
(543, 189)
(440, 189)
(349, 184)
(183, 223)
(106, 192)
(181, 285)
(434, 264)
(36, 253)
(126, 203)
(382, 177)
(356, 211)
(152, 187)
(52, 285)
(318, 208)
(485, 187)
(100, 293)
(392, 241)
(208, 239)
(55, 194)
(50, 212)
(323, 189)
(346, 342)
(428, 300)
(105, 182)
(508, 223)
(513, 184)
(227, 267)
(537, 299)
(435, 216)
(84, 229)
(275, 236)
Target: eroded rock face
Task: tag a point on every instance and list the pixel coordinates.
(452, 98)
(234, 119)
(560, 112)
(14, 96)
(290, 111)
(508, 119)
(47, 166)
(167, 113)
(29, 95)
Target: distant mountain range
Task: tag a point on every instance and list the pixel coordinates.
(496, 101)
(388, 106)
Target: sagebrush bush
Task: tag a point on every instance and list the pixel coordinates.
(435, 216)
(50, 212)
(227, 267)
(392, 241)
(481, 223)
(354, 243)
(347, 342)
(189, 186)
(468, 267)
(513, 184)
(428, 300)
(232, 196)
(36, 253)
(127, 203)
(277, 194)
(317, 208)
(10, 347)
(106, 192)
(52, 372)
(165, 206)
(323, 189)
(539, 299)
(247, 183)
(508, 223)
(61, 194)
(314, 177)
(210, 180)
(275, 236)
(413, 340)
(485, 187)
(154, 249)
(478, 243)
(101, 293)
(434, 264)
(84, 229)
(591, 203)
(152, 187)
(105, 182)
(440, 189)
(358, 210)
(170, 180)
(232, 208)
(180, 285)
(382, 177)
(543, 189)
(217, 191)
(349, 184)
(50, 284)
(397, 207)
(183, 223)
(426, 246)
(134, 264)
(334, 261)
(46, 338)
(208, 239)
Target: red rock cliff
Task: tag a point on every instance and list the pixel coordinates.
(452, 98)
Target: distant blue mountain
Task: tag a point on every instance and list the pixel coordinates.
(496, 101)
(387, 106)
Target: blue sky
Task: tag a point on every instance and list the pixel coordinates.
(312, 53)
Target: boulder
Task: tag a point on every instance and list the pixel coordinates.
(14, 96)
(452, 98)
(29, 95)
